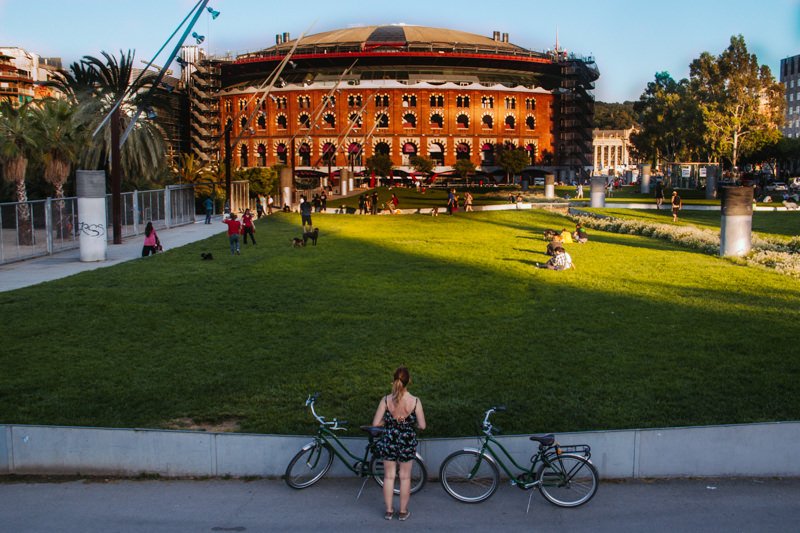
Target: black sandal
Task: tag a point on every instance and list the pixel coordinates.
(403, 516)
(388, 515)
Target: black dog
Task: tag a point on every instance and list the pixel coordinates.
(206, 256)
(312, 235)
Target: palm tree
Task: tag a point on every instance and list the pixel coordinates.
(17, 144)
(97, 86)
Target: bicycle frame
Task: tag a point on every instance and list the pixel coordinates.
(516, 479)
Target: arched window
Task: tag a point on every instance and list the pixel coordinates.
(305, 155)
(511, 102)
(437, 100)
(330, 120)
(462, 101)
(530, 104)
(262, 122)
(437, 121)
(487, 102)
(383, 120)
(329, 154)
(511, 123)
(462, 121)
(382, 148)
(243, 122)
(462, 151)
(409, 151)
(282, 122)
(354, 154)
(530, 122)
(304, 120)
(243, 156)
(409, 100)
(409, 120)
(262, 155)
(487, 154)
(532, 150)
(281, 150)
(382, 100)
(356, 119)
(242, 104)
(228, 106)
(487, 121)
(436, 153)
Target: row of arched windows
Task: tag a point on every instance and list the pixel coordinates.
(354, 153)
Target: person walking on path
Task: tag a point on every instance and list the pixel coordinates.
(374, 202)
(234, 229)
(579, 190)
(209, 206)
(451, 201)
(151, 242)
(468, 201)
(659, 194)
(400, 413)
(677, 204)
(324, 199)
(270, 203)
(305, 214)
(248, 228)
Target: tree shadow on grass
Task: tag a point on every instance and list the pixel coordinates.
(249, 336)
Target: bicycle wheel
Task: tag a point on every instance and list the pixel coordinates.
(419, 474)
(308, 465)
(469, 476)
(568, 481)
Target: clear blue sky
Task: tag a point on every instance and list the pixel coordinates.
(631, 40)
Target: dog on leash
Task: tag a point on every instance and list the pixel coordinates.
(312, 236)
(206, 256)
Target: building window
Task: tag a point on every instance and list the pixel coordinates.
(243, 156)
(511, 123)
(262, 155)
(409, 100)
(262, 121)
(462, 101)
(354, 100)
(383, 120)
(304, 102)
(530, 104)
(462, 121)
(356, 120)
(281, 150)
(280, 102)
(437, 121)
(243, 122)
(487, 154)
(330, 120)
(462, 151)
(228, 106)
(330, 101)
(305, 155)
(242, 104)
(282, 122)
(382, 100)
(487, 121)
(511, 102)
(304, 120)
(487, 102)
(409, 120)
(382, 148)
(530, 122)
(436, 153)
(437, 100)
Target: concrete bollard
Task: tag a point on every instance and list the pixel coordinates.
(344, 181)
(549, 186)
(93, 239)
(287, 188)
(711, 182)
(645, 179)
(735, 233)
(598, 192)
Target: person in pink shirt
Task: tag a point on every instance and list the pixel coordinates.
(234, 229)
(247, 226)
(151, 242)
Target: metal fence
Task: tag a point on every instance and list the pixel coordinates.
(44, 227)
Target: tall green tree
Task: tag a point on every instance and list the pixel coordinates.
(740, 102)
(60, 136)
(380, 164)
(17, 146)
(511, 160)
(464, 168)
(614, 116)
(422, 164)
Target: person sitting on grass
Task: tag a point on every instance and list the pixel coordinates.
(566, 237)
(554, 243)
(580, 235)
(560, 261)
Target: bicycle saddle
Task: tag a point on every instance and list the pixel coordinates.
(374, 431)
(545, 440)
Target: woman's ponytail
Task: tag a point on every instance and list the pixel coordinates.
(401, 379)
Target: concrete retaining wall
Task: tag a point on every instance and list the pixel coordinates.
(735, 450)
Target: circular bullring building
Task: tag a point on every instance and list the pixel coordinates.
(402, 91)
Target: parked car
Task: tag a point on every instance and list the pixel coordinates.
(794, 183)
(777, 186)
(538, 180)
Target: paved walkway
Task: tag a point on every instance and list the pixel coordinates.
(34, 271)
(688, 505)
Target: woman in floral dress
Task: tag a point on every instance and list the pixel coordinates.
(401, 414)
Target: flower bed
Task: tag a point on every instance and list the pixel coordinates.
(781, 256)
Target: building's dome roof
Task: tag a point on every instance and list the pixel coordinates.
(392, 35)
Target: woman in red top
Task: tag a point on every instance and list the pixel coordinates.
(247, 226)
(234, 228)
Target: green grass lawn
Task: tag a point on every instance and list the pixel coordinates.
(780, 224)
(642, 334)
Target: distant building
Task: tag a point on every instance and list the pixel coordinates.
(611, 151)
(31, 71)
(790, 77)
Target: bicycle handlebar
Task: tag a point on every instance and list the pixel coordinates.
(487, 426)
(336, 425)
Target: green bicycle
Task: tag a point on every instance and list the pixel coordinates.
(314, 459)
(563, 474)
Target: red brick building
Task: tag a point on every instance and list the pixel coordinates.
(409, 90)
